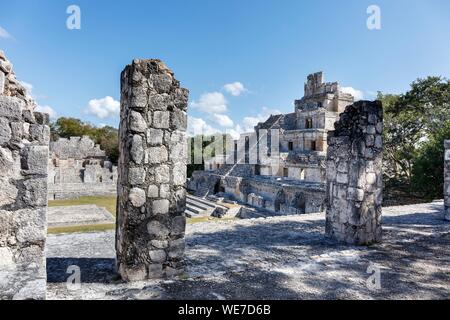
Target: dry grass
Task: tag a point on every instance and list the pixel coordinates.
(110, 204)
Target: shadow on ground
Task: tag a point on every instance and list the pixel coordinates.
(290, 258)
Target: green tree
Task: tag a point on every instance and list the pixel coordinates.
(414, 123)
(71, 127)
(428, 166)
(107, 137)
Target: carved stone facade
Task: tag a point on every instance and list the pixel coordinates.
(354, 175)
(78, 167)
(24, 139)
(152, 172)
(447, 180)
(297, 143)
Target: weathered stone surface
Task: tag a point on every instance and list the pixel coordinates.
(137, 197)
(447, 180)
(157, 154)
(354, 196)
(137, 149)
(2, 82)
(414, 249)
(151, 202)
(78, 215)
(155, 137)
(23, 191)
(78, 167)
(137, 122)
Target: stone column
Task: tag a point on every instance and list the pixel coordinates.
(24, 139)
(152, 172)
(447, 180)
(354, 175)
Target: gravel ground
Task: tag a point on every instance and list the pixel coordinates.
(272, 258)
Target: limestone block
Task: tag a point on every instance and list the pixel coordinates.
(161, 119)
(5, 131)
(34, 159)
(137, 122)
(162, 174)
(160, 101)
(157, 154)
(137, 149)
(160, 206)
(157, 229)
(137, 197)
(155, 137)
(11, 108)
(2, 82)
(136, 176)
(153, 191)
(139, 97)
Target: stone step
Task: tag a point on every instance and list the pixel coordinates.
(198, 205)
(190, 214)
(193, 209)
(205, 202)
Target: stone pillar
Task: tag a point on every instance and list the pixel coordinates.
(447, 180)
(152, 172)
(354, 175)
(24, 139)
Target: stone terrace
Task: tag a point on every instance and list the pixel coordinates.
(274, 258)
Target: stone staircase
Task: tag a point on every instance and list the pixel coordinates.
(199, 207)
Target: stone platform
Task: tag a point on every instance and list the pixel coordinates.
(78, 215)
(274, 258)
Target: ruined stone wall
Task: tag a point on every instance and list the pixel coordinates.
(284, 197)
(78, 167)
(76, 148)
(281, 196)
(152, 172)
(354, 175)
(447, 180)
(24, 139)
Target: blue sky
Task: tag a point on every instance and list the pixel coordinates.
(269, 47)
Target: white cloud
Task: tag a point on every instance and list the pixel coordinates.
(211, 102)
(222, 120)
(103, 108)
(197, 126)
(248, 123)
(46, 109)
(4, 34)
(359, 95)
(235, 88)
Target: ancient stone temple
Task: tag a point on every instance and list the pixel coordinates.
(447, 180)
(78, 167)
(282, 166)
(152, 172)
(354, 175)
(24, 139)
